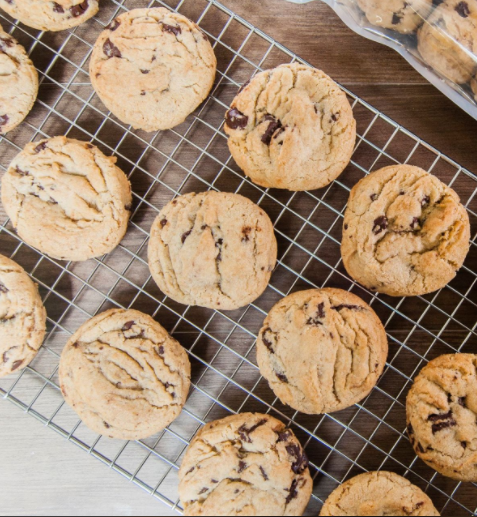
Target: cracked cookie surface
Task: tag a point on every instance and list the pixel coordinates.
(152, 68)
(378, 493)
(22, 318)
(214, 249)
(322, 350)
(404, 16)
(405, 232)
(291, 128)
(442, 416)
(246, 464)
(124, 375)
(67, 199)
(18, 83)
(47, 15)
(448, 40)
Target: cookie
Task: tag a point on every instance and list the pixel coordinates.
(247, 464)
(378, 493)
(22, 318)
(291, 128)
(448, 40)
(18, 83)
(124, 375)
(322, 350)
(405, 232)
(442, 416)
(152, 68)
(46, 15)
(404, 16)
(214, 249)
(67, 199)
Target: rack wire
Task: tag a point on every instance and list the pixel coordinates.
(221, 345)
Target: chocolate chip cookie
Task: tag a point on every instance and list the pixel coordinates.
(442, 416)
(67, 199)
(214, 249)
(404, 16)
(378, 493)
(405, 232)
(247, 464)
(22, 318)
(291, 128)
(46, 15)
(124, 375)
(18, 83)
(322, 350)
(152, 68)
(448, 40)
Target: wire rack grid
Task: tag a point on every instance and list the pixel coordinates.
(221, 346)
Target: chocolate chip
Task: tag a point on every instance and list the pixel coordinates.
(244, 85)
(236, 119)
(145, 72)
(57, 8)
(425, 201)
(264, 474)
(163, 223)
(282, 377)
(106, 425)
(161, 350)
(335, 117)
(267, 342)
(241, 466)
(214, 481)
(438, 418)
(374, 197)
(16, 365)
(396, 19)
(171, 29)
(113, 25)
(185, 235)
(245, 433)
(4, 120)
(237, 491)
(320, 314)
(415, 223)
(40, 147)
(462, 401)
(346, 226)
(442, 421)
(75, 345)
(293, 492)
(128, 326)
(443, 425)
(273, 126)
(464, 445)
(219, 243)
(3, 288)
(204, 227)
(190, 471)
(78, 10)
(349, 307)
(246, 230)
(462, 9)
(284, 436)
(380, 225)
(301, 460)
(111, 50)
(203, 491)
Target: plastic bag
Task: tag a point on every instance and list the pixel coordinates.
(437, 37)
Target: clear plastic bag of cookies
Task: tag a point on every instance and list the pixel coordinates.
(437, 37)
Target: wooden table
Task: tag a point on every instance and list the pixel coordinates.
(32, 466)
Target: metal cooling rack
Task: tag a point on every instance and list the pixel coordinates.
(194, 157)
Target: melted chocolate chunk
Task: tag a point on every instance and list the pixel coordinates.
(320, 314)
(219, 243)
(443, 425)
(335, 117)
(438, 418)
(185, 235)
(16, 365)
(241, 466)
(267, 342)
(464, 445)
(111, 50)
(264, 474)
(273, 126)
(463, 9)
(128, 326)
(214, 481)
(374, 197)
(349, 307)
(203, 491)
(282, 377)
(462, 401)
(145, 72)
(3, 288)
(301, 460)
(190, 471)
(113, 25)
(161, 350)
(442, 421)
(380, 225)
(246, 231)
(396, 19)
(245, 433)
(163, 223)
(171, 29)
(293, 492)
(78, 10)
(236, 119)
(40, 147)
(57, 8)
(284, 436)
(4, 120)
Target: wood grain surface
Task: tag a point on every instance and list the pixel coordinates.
(43, 475)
